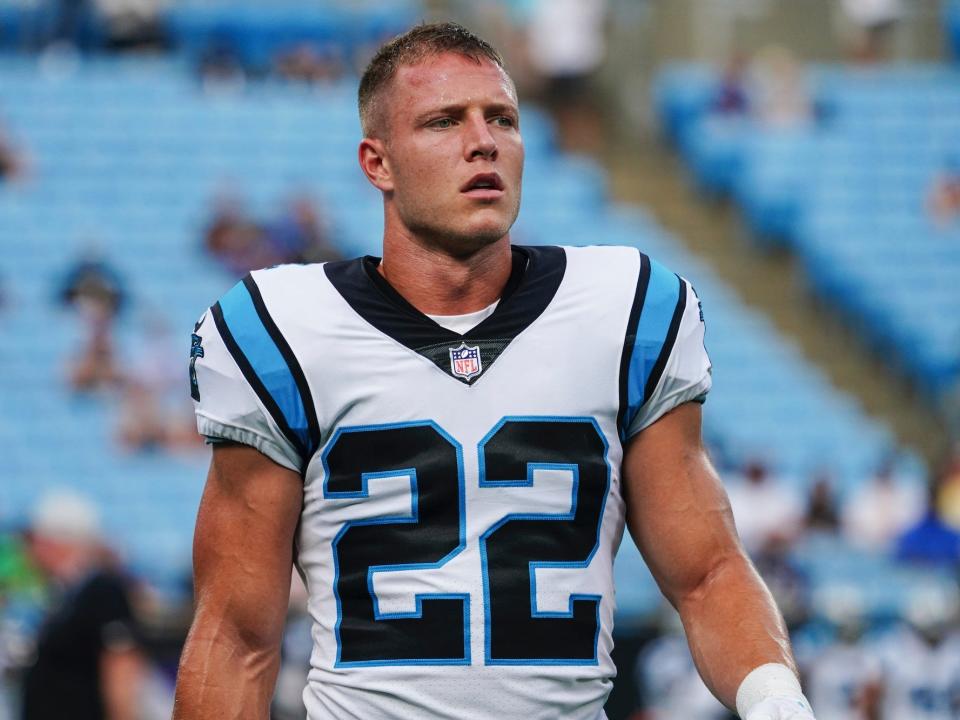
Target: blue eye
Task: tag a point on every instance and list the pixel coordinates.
(442, 123)
(505, 121)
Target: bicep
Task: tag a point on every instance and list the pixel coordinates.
(677, 509)
(243, 545)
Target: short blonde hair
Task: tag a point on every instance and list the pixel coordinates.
(410, 48)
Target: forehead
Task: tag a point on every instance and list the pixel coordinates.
(449, 79)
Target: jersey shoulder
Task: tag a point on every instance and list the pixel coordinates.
(247, 382)
(288, 287)
(664, 361)
(665, 356)
(606, 259)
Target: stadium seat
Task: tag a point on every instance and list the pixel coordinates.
(849, 198)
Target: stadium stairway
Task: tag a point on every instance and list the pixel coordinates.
(130, 152)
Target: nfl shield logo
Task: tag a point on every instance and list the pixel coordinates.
(465, 361)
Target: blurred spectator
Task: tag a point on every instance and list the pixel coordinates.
(299, 234)
(779, 92)
(15, 570)
(22, 594)
(943, 200)
(242, 244)
(131, 24)
(931, 540)
(880, 509)
(221, 71)
(765, 511)
(788, 584)
(921, 660)
(844, 677)
(949, 499)
(155, 413)
(12, 164)
(669, 683)
(233, 238)
(871, 24)
(93, 287)
(731, 98)
(822, 514)
(93, 280)
(87, 664)
(566, 42)
(307, 63)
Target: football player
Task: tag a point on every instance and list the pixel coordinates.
(447, 442)
(843, 676)
(671, 686)
(920, 659)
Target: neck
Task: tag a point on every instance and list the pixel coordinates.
(439, 283)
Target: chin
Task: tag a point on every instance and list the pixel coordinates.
(491, 224)
(487, 233)
(473, 232)
(465, 241)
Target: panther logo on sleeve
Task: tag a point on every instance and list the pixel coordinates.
(196, 351)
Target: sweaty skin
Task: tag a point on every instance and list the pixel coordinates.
(446, 249)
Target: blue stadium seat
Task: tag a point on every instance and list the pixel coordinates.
(850, 200)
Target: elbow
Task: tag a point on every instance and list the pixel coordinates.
(248, 641)
(719, 573)
(259, 649)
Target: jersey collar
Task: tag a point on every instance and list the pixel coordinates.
(534, 279)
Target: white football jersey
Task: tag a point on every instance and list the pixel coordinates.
(837, 679)
(920, 681)
(462, 502)
(672, 687)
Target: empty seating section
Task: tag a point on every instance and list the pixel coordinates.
(849, 196)
(254, 31)
(128, 154)
(257, 30)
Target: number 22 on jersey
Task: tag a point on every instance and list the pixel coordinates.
(433, 533)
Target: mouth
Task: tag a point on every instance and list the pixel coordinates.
(484, 186)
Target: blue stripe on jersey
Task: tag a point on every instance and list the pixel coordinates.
(653, 328)
(265, 358)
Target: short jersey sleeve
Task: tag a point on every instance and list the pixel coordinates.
(668, 363)
(247, 386)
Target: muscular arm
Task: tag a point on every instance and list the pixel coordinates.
(243, 554)
(679, 516)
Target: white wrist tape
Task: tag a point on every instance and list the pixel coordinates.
(767, 681)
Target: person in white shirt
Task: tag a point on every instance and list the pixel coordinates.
(878, 511)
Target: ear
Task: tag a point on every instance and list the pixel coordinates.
(374, 163)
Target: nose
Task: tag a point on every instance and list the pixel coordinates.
(479, 141)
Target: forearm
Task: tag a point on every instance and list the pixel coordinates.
(121, 676)
(243, 548)
(222, 677)
(733, 626)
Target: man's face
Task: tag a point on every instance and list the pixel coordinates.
(453, 151)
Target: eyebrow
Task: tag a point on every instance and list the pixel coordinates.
(458, 108)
